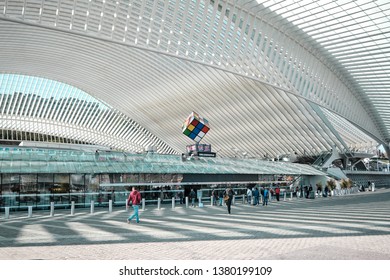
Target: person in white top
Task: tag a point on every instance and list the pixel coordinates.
(249, 195)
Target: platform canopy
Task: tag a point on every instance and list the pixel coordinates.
(58, 161)
(272, 77)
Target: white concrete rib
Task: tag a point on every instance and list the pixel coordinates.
(244, 66)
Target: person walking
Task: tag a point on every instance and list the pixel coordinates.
(272, 193)
(277, 193)
(180, 194)
(256, 196)
(265, 196)
(192, 196)
(249, 195)
(229, 197)
(134, 200)
(220, 196)
(214, 194)
(262, 192)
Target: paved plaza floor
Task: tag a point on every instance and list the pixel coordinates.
(351, 227)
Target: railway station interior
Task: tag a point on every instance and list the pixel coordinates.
(98, 96)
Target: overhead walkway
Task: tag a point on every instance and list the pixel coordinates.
(322, 159)
(357, 171)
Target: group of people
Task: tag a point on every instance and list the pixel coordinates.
(227, 196)
(305, 191)
(220, 196)
(264, 192)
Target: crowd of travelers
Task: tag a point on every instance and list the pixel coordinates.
(254, 195)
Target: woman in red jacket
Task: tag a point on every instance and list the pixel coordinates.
(277, 193)
(134, 199)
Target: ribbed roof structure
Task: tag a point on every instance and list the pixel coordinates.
(272, 77)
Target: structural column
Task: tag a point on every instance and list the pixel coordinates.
(52, 209)
(92, 206)
(30, 211)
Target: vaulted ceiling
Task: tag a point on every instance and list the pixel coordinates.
(272, 77)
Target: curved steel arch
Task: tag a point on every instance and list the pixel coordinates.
(47, 107)
(241, 64)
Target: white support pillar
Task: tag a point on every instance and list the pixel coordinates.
(92, 206)
(6, 212)
(143, 204)
(127, 204)
(72, 208)
(173, 203)
(51, 209)
(159, 203)
(110, 206)
(291, 195)
(234, 199)
(284, 197)
(211, 200)
(243, 199)
(30, 211)
(187, 205)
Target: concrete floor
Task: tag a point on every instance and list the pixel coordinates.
(351, 227)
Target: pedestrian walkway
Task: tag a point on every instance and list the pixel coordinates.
(355, 227)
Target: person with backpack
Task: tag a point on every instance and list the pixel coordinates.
(134, 200)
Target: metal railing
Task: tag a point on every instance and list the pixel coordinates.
(19, 201)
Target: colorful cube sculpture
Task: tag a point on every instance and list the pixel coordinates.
(195, 127)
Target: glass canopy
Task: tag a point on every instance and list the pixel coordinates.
(36, 160)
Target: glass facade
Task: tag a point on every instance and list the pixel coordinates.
(36, 177)
(18, 191)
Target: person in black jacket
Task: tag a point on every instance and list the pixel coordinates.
(220, 194)
(228, 197)
(192, 196)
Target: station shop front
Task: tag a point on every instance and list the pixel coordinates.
(18, 191)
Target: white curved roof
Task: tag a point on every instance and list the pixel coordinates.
(272, 77)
